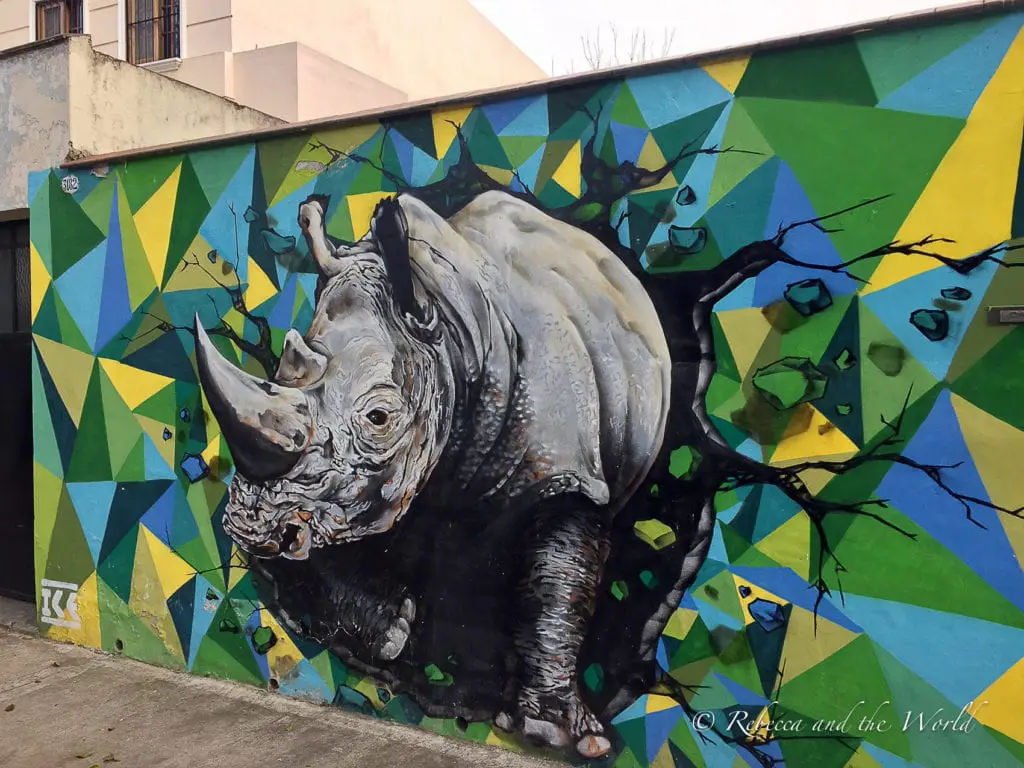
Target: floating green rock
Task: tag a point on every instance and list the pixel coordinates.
(845, 360)
(683, 462)
(808, 297)
(654, 533)
(956, 294)
(887, 358)
(654, 490)
(593, 678)
(932, 323)
(844, 409)
(648, 579)
(620, 590)
(263, 639)
(228, 625)
(790, 381)
(437, 676)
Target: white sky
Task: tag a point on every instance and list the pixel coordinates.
(549, 31)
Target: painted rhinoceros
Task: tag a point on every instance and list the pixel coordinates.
(500, 366)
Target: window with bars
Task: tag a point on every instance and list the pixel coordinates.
(15, 315)
(154, 32)
(59, 17)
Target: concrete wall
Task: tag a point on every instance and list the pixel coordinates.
(65, 100)
(644, 440)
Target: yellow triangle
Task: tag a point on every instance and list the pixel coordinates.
(821, 440)
(1005, 699)
(444, 130)
(39, 279)
(651, 157)
(153, 223)
(171, 570)
(155, 430)
(500, 175)
(259, 287)
(189, 277)
(361, 208)
(88, 632)
(659, 704)
(313, 158)
(237, 570)
(804, 647)
(728, 73)
(680, 623)
(746, 331)
(70, 371)
(756, 593)
(148, 601)
(789, 545)
(971, 194)
(995, 449)
(568, 175)
(861, 759)
(134, 385)
(284, 656)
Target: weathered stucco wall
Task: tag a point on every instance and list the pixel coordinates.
(413, 475)
(62, 99)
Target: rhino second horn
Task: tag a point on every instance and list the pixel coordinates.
(311, 222)
(267, 426)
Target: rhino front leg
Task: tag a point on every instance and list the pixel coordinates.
(557, 592)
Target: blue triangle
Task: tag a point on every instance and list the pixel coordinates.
(115, 310)
(500, 115)
(657, 727)
(528, 171)
(36, 180)
(987, 551)
(281, 316)
(716, 550)
(635, 711)
(957, 655)
(669, 96)
(532, 121)
(423, 167)
(661, 657)
(92, 505)
(701, 174)
(304, 682)
(741, 297)
(894, 305)
(184, 527)
(885, 759)
(253, 623)
(738, 218)
(81, 289)
(226, 232)
(951, 86)
(285, 214)
(156, 466)
(713, 616)
(404, 151)
(160, 517)
(807, 244)
(629, 141)
(794, 589)
(741, 694)
(202, 616)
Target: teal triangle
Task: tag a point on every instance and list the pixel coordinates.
(81, 290)
(156, 466)
(215, 168)
(44, 440)
(92, 505)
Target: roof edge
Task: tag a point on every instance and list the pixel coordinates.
(913, 18)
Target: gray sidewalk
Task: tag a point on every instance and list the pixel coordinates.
(76, 707)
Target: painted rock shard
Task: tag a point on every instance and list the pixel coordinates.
(654, 533)
(683, 462)
(808, 297)
(956, 294)
(790, 381)
(932, 323)
(768, 615)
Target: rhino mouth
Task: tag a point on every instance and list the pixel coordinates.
(292, 538)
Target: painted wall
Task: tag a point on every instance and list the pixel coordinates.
(770, 276)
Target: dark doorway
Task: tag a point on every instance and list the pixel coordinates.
(16, 549)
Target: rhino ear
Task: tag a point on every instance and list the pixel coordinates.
(390, 230)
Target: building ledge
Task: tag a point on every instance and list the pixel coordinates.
(163, 65)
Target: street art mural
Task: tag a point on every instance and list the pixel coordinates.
(662, 420)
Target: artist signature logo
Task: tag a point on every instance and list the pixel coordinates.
(59, 604)
(69, 184)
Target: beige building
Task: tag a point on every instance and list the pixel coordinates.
(294, 59)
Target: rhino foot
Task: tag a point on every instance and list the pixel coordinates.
(397, 635)
(557, 721)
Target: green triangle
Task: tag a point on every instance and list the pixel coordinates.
(993, 383)
(894, 57)
(1011, 745)
(116, 568)
(215, 168)
(554, 154)
(68, 557)
(47, 490)
(737, 663)
(162, 407)
(811, 340)
(133, 469)
(70, 335)
(145, 177)
(277, 160)
(368, 179)
(553, 196)
(726, 363)
(883, 563)
(696, 646)
(40, 224)
(44, 440)
(226, 654)
(91, 461)
(735, 545)
(136, 265)
(47, 323)
(72, 232)
(122, 428)
(874, 151)
(119, 624)
(837, 685)
(519, 149)
(190, 210)
(731, 168)
(831, 72)
(99, 202)
(484, 145)
(625, 109)
(911, 694)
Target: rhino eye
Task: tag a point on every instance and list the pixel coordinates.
(377, 417)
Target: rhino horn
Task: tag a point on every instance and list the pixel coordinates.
(311, 222)
(267, 426)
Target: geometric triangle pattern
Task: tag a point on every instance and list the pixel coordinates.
(908, 133)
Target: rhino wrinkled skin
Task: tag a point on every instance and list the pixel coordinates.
(497, 359)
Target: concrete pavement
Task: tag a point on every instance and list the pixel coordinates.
(66, 706)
